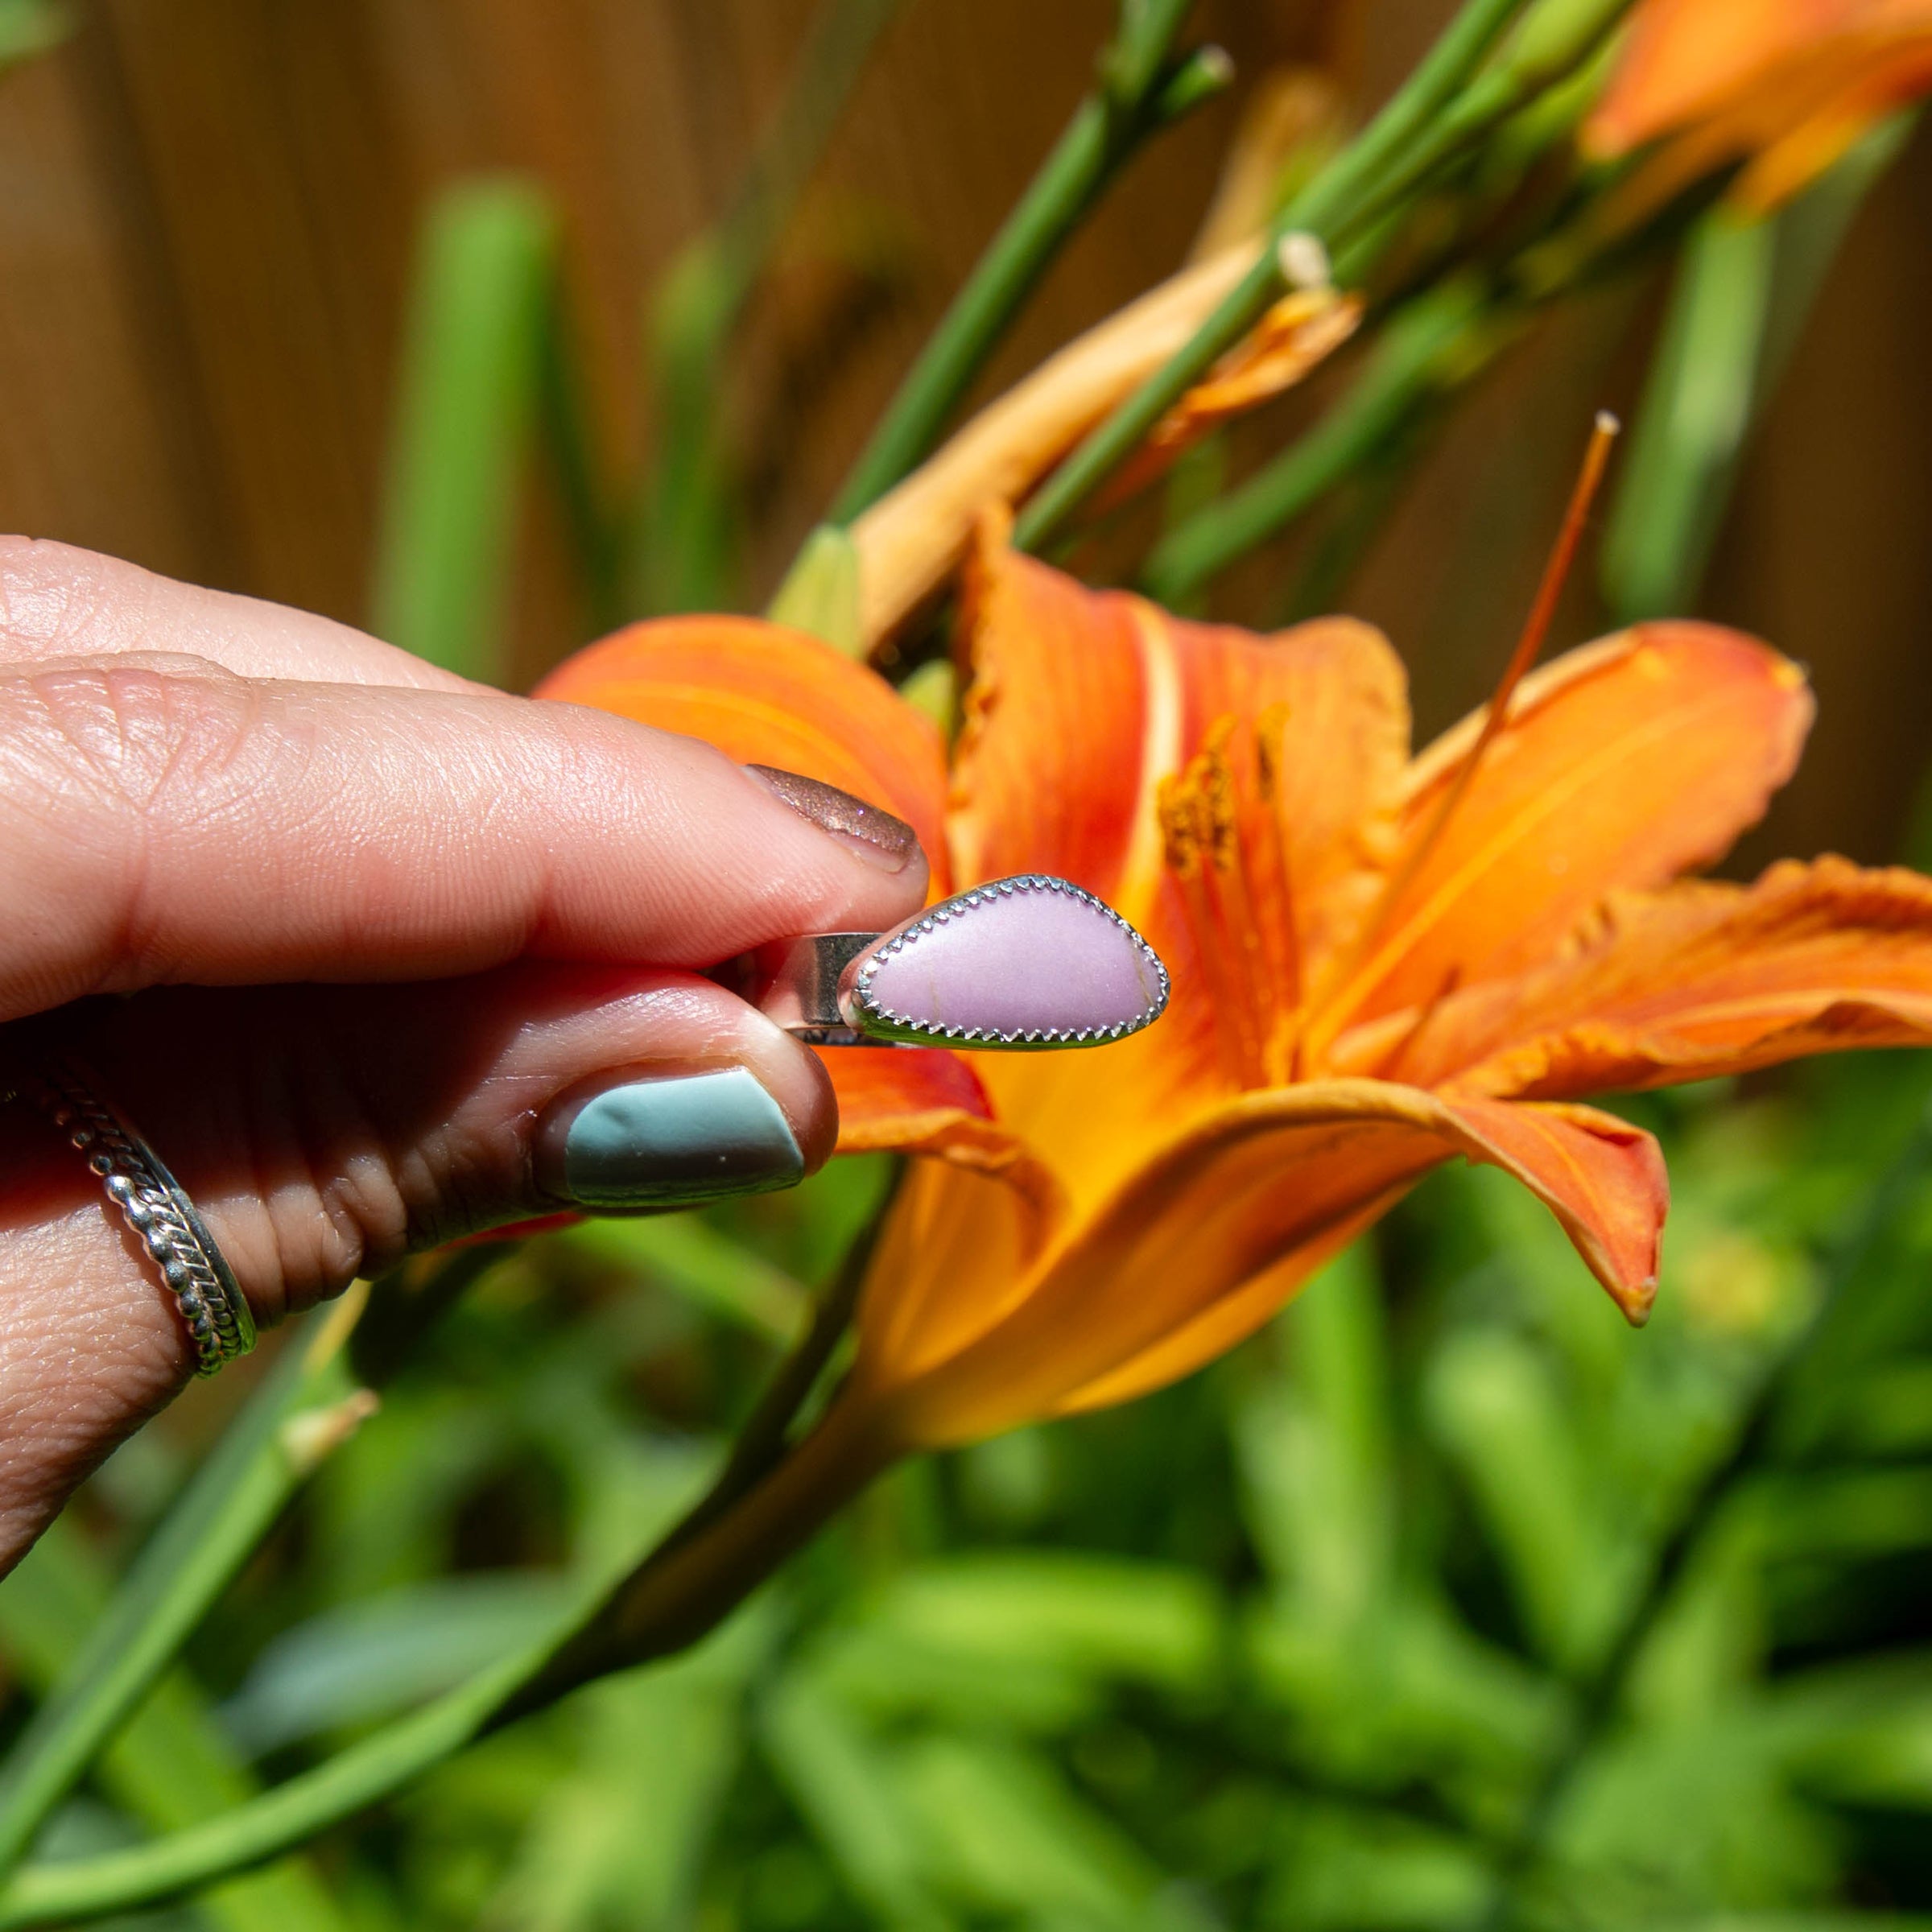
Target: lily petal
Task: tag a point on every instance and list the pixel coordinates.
(1070, 699)
(1624, 764)
(1701, 981)
(1264, 1189)
(1081, 702)
(930, 1102)
(767, 696)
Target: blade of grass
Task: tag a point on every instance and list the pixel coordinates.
(470, 371)
(172, 1763)
(648, 1605)
(1697, 404)
(1744, 288)
(1774, 1428)
(204, 1540)
(307, 1404)
(1107, 127)
(682, 529)
(571, 447)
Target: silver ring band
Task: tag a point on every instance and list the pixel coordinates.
(219, 1321)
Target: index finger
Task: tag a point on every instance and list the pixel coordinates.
(57, 602)
(185, 825)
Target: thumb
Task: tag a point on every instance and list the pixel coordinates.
(323, 1133)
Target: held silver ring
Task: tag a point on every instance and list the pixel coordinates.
(215, 1312)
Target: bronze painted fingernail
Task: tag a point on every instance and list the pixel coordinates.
(872, 833)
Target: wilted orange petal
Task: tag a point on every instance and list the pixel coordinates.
(768, 695)
(1624, 764)
(1701, 980)
(1298, 334)
(910, 538)
(1134, 1300)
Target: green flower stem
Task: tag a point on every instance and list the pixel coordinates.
(1419, 350)
(1776, 1429)
(1322, 208)
(665, 1603)
(1135, 96)
(569, 441)
(205, 1538)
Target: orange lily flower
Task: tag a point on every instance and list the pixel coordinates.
(1788, 86)
(1377, 962)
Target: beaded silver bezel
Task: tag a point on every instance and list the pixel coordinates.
(869, 1015)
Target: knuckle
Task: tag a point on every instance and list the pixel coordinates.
(133, 733)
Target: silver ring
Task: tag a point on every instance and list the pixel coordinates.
(219, 1321)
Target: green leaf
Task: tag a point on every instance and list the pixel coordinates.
(620, 1838)
(691, 1257)
(375, 1658)
(1316, 1447)
(306, 1406)
(1499, 1415)
(28, 27)
(1744, 289)
(848, 1787)
(1108, 1617)
(1005, 1834)
(473, 361)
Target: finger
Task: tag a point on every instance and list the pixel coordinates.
(57, 602)
(325, 1132)
(202, 827)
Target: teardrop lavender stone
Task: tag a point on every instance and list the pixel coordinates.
(1043, 957)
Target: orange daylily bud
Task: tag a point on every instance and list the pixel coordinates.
(912, 538)
(1785, 86)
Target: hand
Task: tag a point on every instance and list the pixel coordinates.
(386, 943)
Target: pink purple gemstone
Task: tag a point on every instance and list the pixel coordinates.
(1030, 959)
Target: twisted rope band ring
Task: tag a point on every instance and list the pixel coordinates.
(219, 1321)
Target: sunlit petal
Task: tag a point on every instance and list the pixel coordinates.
(1624, 764)
(1701, 981)
(768, 695)
(1139, 1293)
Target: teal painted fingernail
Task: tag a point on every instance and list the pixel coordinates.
(666, 1142)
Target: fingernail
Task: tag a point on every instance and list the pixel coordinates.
(872, 833)
(666, 1142)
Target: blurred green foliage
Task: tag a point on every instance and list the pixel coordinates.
(1363, 1627)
